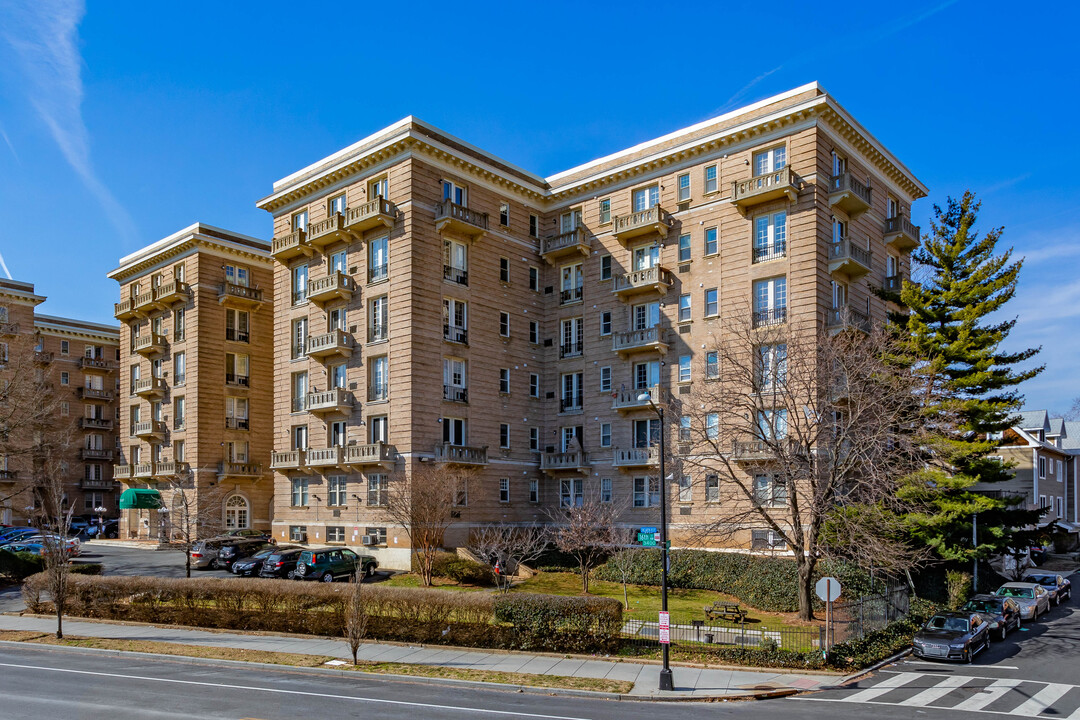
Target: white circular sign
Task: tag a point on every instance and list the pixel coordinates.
(827, 588)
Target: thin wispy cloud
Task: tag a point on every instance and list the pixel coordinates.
(11, 147)
(1004, 184)
(44, 36)
(4, 266)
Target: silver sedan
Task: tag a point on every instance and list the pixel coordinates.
(1032, 598)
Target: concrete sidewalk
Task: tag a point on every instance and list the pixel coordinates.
(691, 683)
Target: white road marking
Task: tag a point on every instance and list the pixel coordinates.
(992, 692)
(1041, 700)
(937, 692)
(882, 687)
(289, 692)
(981, 667)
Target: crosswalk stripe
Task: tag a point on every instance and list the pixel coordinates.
(937, 692)
(1075, 715)
(882, 687)
(990, 693)
(1041, 700)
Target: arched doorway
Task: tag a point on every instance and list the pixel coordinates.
(237, 516)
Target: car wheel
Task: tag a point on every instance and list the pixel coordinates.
(966, 657)
(1004, 631)
(291, 575)
(327, 577)
(369, 571)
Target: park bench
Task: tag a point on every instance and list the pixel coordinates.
(720, 610)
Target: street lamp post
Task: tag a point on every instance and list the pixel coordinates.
(666, 681)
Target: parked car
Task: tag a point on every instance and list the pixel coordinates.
(238, 549)
(252, 565)
(952, 636)
(1033, 599)
(204, 554)
(1003, 613)
(32, 548)
(330, 564)
(1060, 588)
(281, 563)
(13, 534)
(72, 546)
(110, 529)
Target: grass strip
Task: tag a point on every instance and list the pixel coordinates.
(301, 660)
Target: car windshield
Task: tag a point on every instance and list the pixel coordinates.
(264, 553)
(1047, 580)
(954, 624)
(1018, 592)
(984, 606)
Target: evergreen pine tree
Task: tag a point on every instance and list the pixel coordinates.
(968, 385)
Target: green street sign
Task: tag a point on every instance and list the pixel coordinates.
(647, 539)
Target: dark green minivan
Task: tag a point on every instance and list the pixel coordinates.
(330, 564)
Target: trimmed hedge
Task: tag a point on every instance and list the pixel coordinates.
(765, 583)
(563, 623)
(19, 566)
(876, 646)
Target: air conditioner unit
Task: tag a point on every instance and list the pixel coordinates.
(369, 540)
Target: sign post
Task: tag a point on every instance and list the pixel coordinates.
(665, 627)
(828, 589)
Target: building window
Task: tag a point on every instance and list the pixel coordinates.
(534, 385)
(534, 439)
(299, 391)
(504, 324)
(65, 408)
(712, 365)
(380, 187)
(64, 378)
(684, 368)
(504, 490)
(605, 435)
(1042, 468)
(300, 220)
(770, 237)
(237, 370)
(571, 492)
(378, 319)
(379, 381)
(178, 324)
(770, 491)
(376, 490)
(685, 489)
(1060, 476)
(453, 431)
(710, 241)
(298, 533)
(65, 347)
(455, 317)
(605, 267)
(504, 435)
(771, 160)
(712, 426)
(335, 533)
(772, 424)
(504, 380)
(455, 193)
(684, 429)
(299, 284)
(179, 412)
(534, 278)
(771, 370)
(504, 214)
(684, 248)
(645, 198)
(572, 343)
(534, 491)
(605, 379)
(504, 270)
(179, 453)
(534, 332)
(571, 393)
(684, 308)
(712, 307)
(605, 322)
(534, 226)
(455, 262)
(646, 492)
(770, 301)
(683, 182)
(379, 426)
(378, 259)
(605, 490)
(179, 368)
(236, 413)
(605, 211)
(645, 316)
(299, 495)
(461, 498)
(237, 324)
(710, 179)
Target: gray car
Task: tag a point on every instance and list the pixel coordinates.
(1033, 599)
(204, 554)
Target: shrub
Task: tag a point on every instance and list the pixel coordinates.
(469, 572)
(958, 585)
(18, 566)
(557, 622)
(881, 644)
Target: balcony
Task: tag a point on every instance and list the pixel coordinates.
(97, 484)
(455, 275)
(327, 232)
(288, 460)
(759, 450)
(294, 244)
(574, 242)
(637, 457)
(86, 393)
(849, 194)
(453, 393)
(149, 344)
(379, 454)
(627, 400)
(330, 457)
(43, 357)
(378, 393)
(571, 403)
(848, 258)
(95, 423)
(847, 318)
(455, 334)
(142, 471)
(237, 423)
(9, 328)
(336, 343)
(335, 286)
(237, 381)
(460, 219)
(124, 310)
(9, 475)
(95, 454)
(572, 349)
(144, 302)
(121, 471)
(893, 284)
(571, 295)
(901, 234)
(377, 333)
(654, 220)
(378, 273)
(240, 296)
(149, 388)
(764, 188)
(776, 251)
(461, 454)
(768, 318)
(228, 468)
(655, 279)
(336, 400)
(168, 294)
(169, 469)
(148, 429)
(652, 339)
(374, 213)
(94, 364)
(553, 462)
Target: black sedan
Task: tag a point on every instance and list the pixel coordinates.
(1059, 588)
(1002, 613)
(252, 565)
(952, 636)
(281, 564)
(235, 550)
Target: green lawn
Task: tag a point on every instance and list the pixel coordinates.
(412, 580)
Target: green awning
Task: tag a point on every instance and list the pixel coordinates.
(140, 499)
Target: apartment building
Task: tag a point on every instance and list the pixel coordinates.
(195, 382)
(434, 303)
(78, 360)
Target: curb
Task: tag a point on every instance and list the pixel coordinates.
(474, 684)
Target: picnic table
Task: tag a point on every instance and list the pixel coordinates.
(721, 610)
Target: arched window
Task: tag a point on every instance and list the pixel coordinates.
(236, 513)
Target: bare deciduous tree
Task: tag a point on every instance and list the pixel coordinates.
(423, 502)
(800, 435)
(508, 547)
(356, 615)
(190, 513)
(625, 560)
(587, 531)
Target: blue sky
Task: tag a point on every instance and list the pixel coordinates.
(122, 122)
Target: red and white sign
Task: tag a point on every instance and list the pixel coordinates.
(665, 628)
